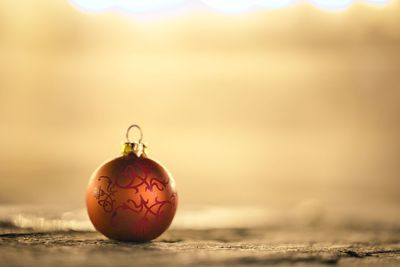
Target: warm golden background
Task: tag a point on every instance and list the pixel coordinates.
(294, 109)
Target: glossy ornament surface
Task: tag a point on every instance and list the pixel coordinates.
(131, 198)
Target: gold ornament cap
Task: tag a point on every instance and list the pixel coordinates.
(134, 148)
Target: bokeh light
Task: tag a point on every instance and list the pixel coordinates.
(226, 6)
(332, 4)
(131, 6)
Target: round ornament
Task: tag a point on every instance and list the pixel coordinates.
(132, 197)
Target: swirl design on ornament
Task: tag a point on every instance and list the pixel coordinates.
(105, 198)
(154, 209)
(145, 200)
(136, 177)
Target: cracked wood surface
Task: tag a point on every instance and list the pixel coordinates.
(303, 246)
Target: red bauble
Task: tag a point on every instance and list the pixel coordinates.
(131, 198)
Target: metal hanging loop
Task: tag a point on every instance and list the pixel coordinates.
(137, 127)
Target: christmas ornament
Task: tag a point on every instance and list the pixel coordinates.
(131, 198)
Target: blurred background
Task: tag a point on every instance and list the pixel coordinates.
(257, 112)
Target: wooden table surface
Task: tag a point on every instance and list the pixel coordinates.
(300, 246)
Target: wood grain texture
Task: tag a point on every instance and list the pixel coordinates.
(303, 246)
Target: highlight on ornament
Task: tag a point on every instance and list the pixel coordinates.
(131, 197)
